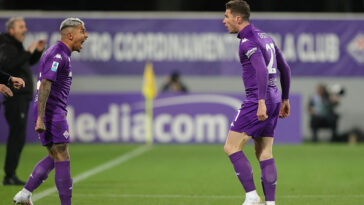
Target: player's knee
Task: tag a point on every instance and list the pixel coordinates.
(61, 152)
(62, 157)
(265, 156)
(231, 149)
(258, 153)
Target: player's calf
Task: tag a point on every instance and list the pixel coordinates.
(269, 180)
(39, 174)
(62, 175)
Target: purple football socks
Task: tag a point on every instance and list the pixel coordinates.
(269, 178)
(40, 173)
(63, 181)
(243, 170)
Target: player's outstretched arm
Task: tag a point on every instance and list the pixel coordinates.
(44, 90)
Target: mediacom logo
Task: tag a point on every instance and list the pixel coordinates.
(179, 119)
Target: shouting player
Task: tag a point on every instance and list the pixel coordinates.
(54, 82)
(257, 117)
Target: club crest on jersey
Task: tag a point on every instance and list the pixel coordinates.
(54, 66)
(66, 134)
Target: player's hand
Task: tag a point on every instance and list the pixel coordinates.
(40, 126)
(17, 82)
(5, 90)
(32, 47)
(285, 109)
(41, 45)
(262, 111)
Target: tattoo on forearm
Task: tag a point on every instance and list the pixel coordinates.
(44, 90)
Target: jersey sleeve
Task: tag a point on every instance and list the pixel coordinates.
(51, 67)
(253, 52)
(285, 73)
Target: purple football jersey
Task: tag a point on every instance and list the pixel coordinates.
(55, 66)
(255, 43)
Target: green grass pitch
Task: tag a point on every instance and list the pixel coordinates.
(309, 174)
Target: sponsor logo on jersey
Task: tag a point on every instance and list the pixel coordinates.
(54, 66)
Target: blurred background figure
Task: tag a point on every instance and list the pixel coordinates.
(16, 61)
(6, 79)
(321, 109)
(174, 84)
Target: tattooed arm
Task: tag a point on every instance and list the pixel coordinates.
(44, 90)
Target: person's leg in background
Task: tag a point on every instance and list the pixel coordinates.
(16, 113)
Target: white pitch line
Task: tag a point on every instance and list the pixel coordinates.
(161, 196)
(119, 160)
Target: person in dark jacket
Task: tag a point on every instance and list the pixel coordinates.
(321, 109)
(4, 77)
(16, 61)
(174, 84)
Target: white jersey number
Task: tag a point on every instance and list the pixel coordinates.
(270, 47)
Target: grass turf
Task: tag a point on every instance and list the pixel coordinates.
(201, 174)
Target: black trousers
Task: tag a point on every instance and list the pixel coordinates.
(318, 122)
(16, 114)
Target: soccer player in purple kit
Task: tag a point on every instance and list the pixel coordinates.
(54, 82)
(257, 117)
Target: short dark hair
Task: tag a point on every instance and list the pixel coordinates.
(239, 7)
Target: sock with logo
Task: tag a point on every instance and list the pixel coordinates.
(40, 173)
(243, 170)
(63, 181)
(269, 179)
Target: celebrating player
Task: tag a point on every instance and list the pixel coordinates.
(54, 82)
(257, 117)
